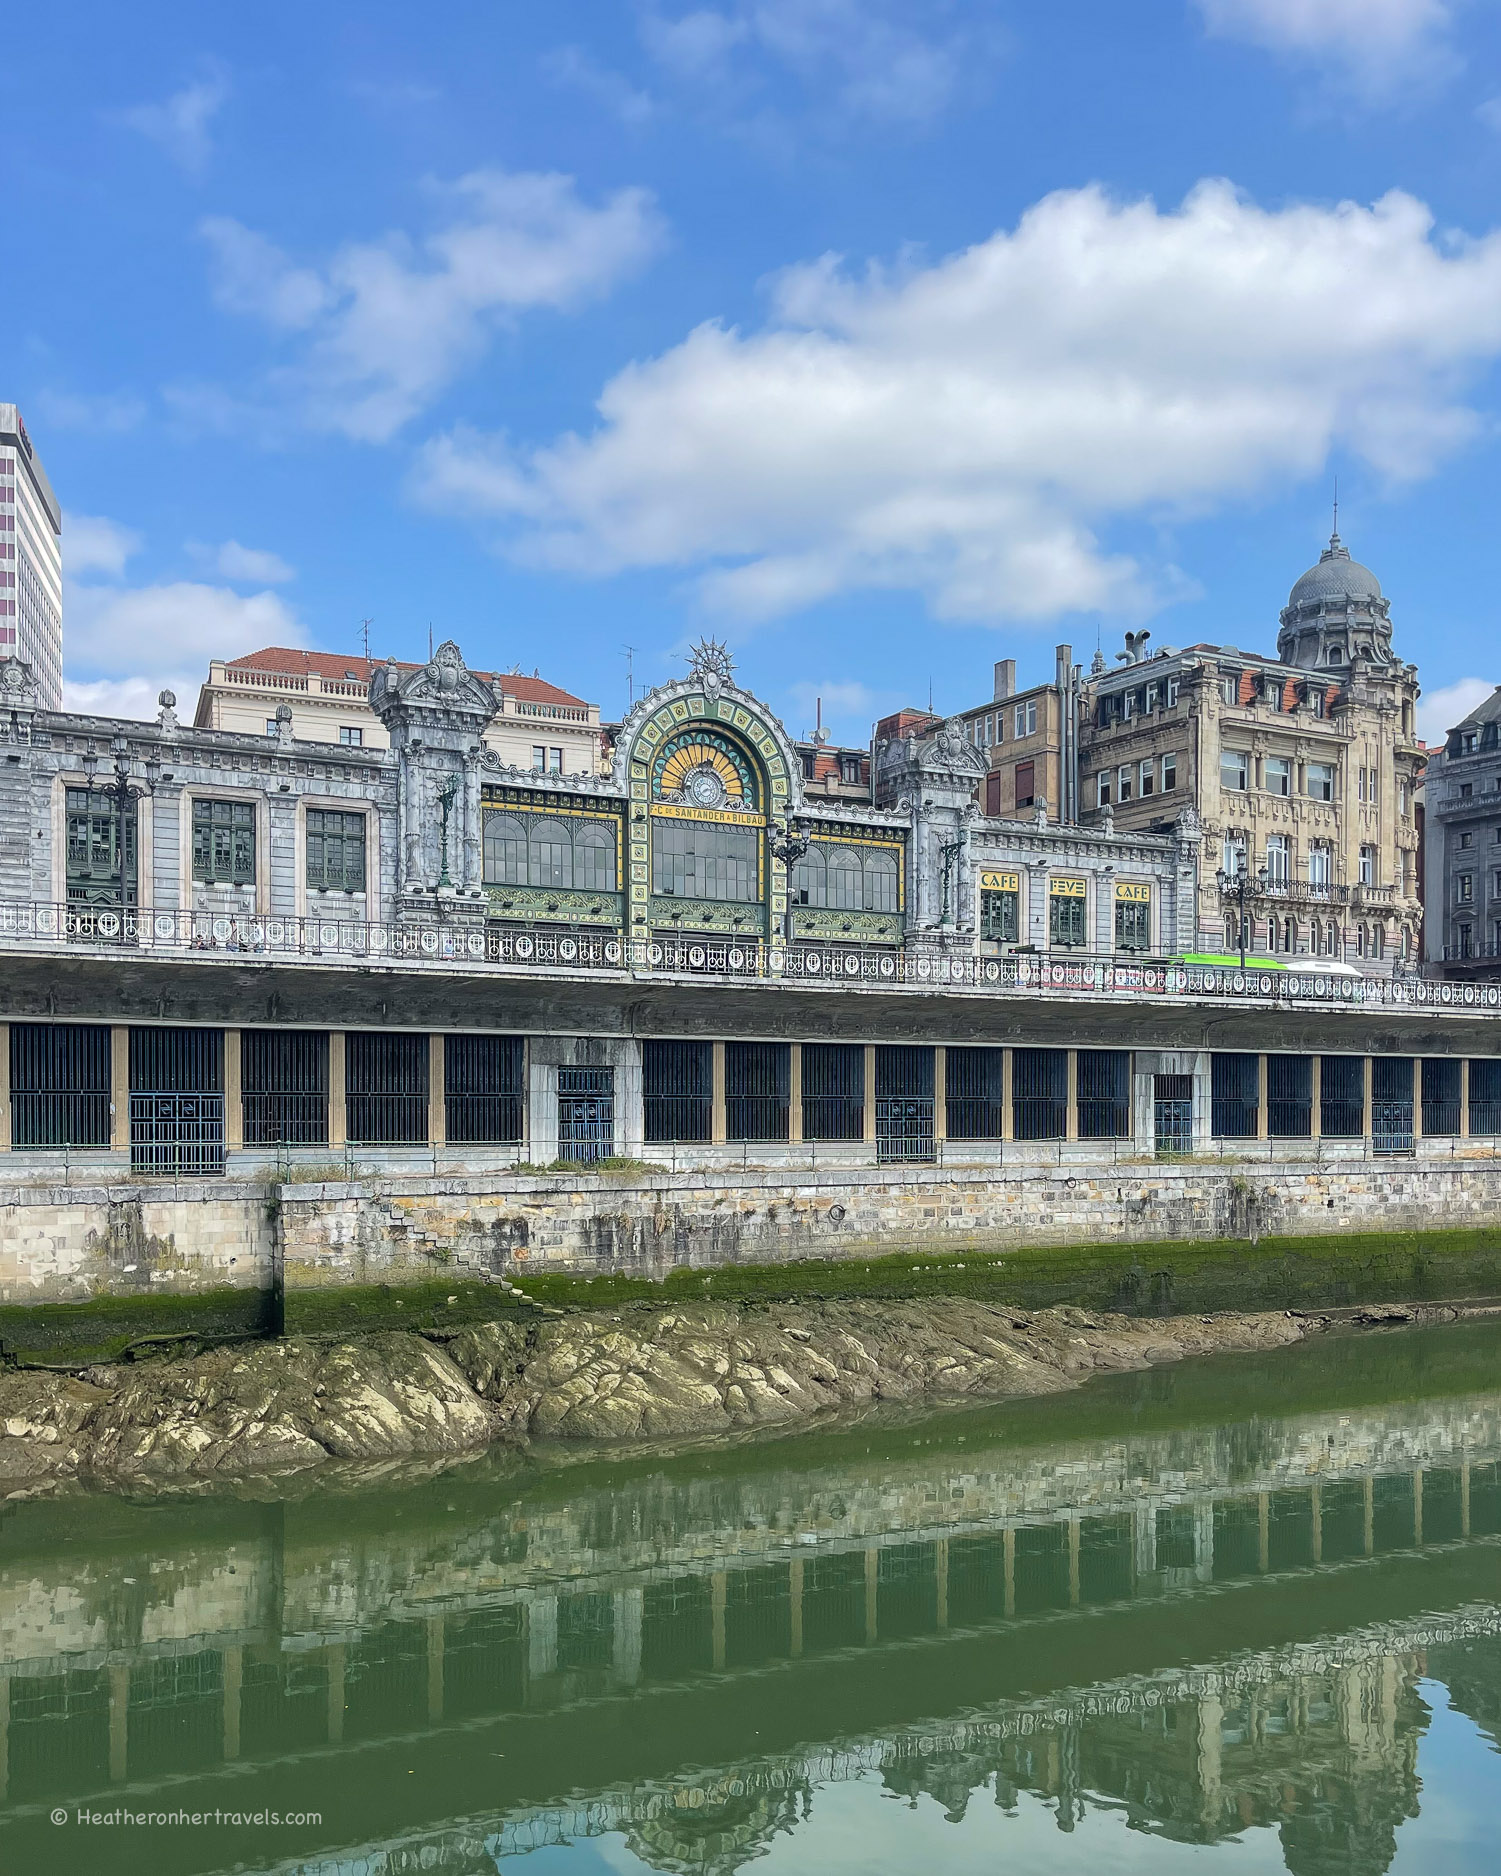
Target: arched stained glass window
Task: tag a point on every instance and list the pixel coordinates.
(551, 854)
(881, 879)
(593, 859)
(505, 851)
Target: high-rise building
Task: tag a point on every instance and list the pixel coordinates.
(31, 561)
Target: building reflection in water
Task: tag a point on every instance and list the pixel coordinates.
(1208, 1628)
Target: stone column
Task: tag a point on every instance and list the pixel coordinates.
(626, 1664)
(1071, 1124)
(872, 1587)
(119, 1721)
(795, 1606)
(5, 1127)
(234, 1105)
(718, 1118)
(1261, 1113)
(119, 1088)
(473, 825)
(1316, 1111)
(333, 1656)
(940, 1093)
(870, 1093)
(719, 1592)
(234, 1664)
(338, 1111)
(630, 1100)
(542, 1108)
(795, 1095)
(436, 1643)
(437, 1106)
(541, 1638)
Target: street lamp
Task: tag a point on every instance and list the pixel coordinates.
(788, 844)
(120, 790)
(1240, 889)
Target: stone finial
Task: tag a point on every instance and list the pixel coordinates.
(1040, 811)
(284, 724)
(1107, 819)
(166, 712)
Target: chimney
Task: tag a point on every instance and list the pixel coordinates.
(1065, 657)
(1005, 679)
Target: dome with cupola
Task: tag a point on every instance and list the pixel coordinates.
(1336, 615)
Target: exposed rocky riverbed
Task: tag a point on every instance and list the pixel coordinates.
(646, 1373)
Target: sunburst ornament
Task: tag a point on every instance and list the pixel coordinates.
(702, 776)
(710, 662)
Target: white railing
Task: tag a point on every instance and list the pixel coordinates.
(40, 927)
(561, 713)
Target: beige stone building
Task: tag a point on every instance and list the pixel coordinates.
(1301, 769)
(1026, 738)
(537, 726)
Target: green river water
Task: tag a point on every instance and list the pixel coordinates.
(1243, 1614)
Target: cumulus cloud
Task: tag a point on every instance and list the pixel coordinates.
(1374, 43)
(1439, 710)
(95, 544)
(382, 327)
(250, 564)
(130, 697)
(968, 429)
(180, 124)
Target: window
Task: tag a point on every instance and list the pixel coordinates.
(272, 726)
(1465, 839)
(1169, 771)
(1133, 924)
(550, 854)
(1278, 856)
(810, 879)
(539, 757)
(1235, 768)
(1368, 866)
(1000, 917)
(351, 736)
(505, 850)
(1146, 776)
(1234, 855)
(1066, 909)
(849, 769)
(1467, 743)
(1102, 797)
(1360, 793)
(224, 842)
(1025, 784)
(1466, 791)
(882, 880)
(1024, 718)
(846, 880)
(593, 860)
(555, 762)
(1402, 800)
(1123, 782)
(1230, 688)
(1466, 936)
(704, 860)
(1464, 889)
(1320, 865)
(1319, 779)
(98, 872)
(335, 851)
(1279, 775)
(1149, 700)
(1170, 693)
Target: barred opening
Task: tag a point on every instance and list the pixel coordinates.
(484, 1090)
(678, 1085)
(386, 1089)
(1039, 1094)
(1104, 1094)
(1173, 1113)
(975, 1085)
(59, 1084)
(833, 1091)
(1391, 1104)
(1234, 1102)
(1289, 1097)
(1342, 1097)
(284, 1087)
(1441, 1100)
(586, 1113)
(757, 1090)
(1485, 1097)
(176, 1101)
(904, 1104)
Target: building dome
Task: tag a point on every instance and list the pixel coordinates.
(1336, 576)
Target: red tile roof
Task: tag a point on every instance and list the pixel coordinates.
(339, 668)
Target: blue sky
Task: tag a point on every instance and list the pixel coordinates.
(883, 338)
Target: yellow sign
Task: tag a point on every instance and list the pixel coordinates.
(709, 814)
(1069, 888)
(1131, 893)
(1000, 882)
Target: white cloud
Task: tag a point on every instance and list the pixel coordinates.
(180, 124)
(132, 697)
(95, 544)
(572, 66)
(1376, 44)
(384, 326)
(111, 413)
(250, 564)
(114, 631)
(1440, 710)
(967, 429)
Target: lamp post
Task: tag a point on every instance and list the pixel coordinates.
(1240, 889)
(788, 844)
(120, 790)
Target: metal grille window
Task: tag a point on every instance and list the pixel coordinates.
(550, 854)
(833, 1091)
(1441, 1101)
(1289, 1097)
(176, 1101)
(1391, 1104)
(284, 1087)
(842, 878)
(1104, 1094)
(1173, 1113)
(1234, 1082)
(904, 1104)
(505, 850)
(1039, 1094)
(999, 918)
(882, 883)
(704, 860)
(1342, 1097)
(385, 1088)
(678, 1083)
(224, 842)
(975, 1091)
(335, 851)
(1485, 1097)
(1066, 922)
(757, 1090)
(593, 860)
(59, 1084)
(586, 1113)
(100, 871)
(810, 879)
(484, 1089)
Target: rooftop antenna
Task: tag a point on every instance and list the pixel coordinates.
(1336, 508)
(630, 676)
(365, 625)
(429, 641)
(818, 716)
(930, 696)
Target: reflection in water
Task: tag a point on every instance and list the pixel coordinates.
(1201, 1600)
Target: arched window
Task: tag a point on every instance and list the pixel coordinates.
(551, 854)
(1334, 946)
(1378, 941)
(1360, 941)
(810, 879)
(593, 859)
(505, 851)
(846, 881)
(881, 882)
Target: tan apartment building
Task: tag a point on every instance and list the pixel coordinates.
(1027, 739)
(537, 727)
(1301, 769)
